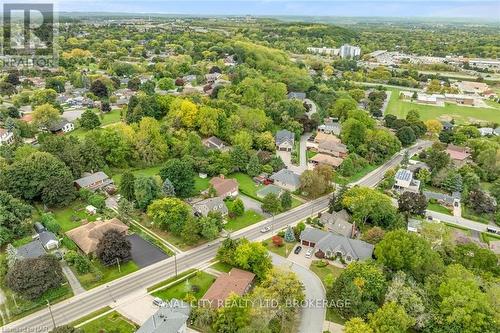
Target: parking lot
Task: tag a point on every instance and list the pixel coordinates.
(301, 257)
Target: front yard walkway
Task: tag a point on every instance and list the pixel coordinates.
(72, 279)
(332, 327)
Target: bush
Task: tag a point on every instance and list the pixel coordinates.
(81, 263)
(49, 221)
(97, 201)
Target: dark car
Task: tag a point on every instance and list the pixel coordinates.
(297, 249)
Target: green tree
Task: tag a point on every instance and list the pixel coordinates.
(353, 133)
(181, 174)
(357, 325)
(271, 204)
(390, 318)
(232, 317)
(286, 200)
(406, 135)
(90, 120)
(363, 284)
(127, 186)
(13, 218)
(146, 189)
(400, 250)
(45, 115)
(253, 257)
(412, 203)
(169, 214)
(253, 166)
(289, 235)
(370, 206)
(99, 89)
(238, 208)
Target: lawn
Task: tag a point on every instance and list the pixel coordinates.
(70, 216)
(149, 171)
(310, 154)
(357, 176)
(201, 184)
(112, 322)
(196, 285)
(323, 271)
(182, 275)
(438, 208)
(461, 114)
(110, 118)
(221, 267)
(247, 185)
(107, 274)
(248, 218)
(283, 250)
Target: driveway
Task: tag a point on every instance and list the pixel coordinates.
(286, 156)
(73, 114)
(301, 257)
(138, 308)
(112, 202)
(253, 204)
(312, 317)
(144, 253)
(313, 109)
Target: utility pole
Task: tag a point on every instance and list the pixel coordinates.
(118, 263)
(51, 315)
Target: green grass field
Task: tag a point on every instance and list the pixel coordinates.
(201, 184)
(70, 216)
(438, 208)
(247, 185)
(197, 285)
(248, 218)
(112, 322)
(461, 114)
(283, 250)
(149, 171)
(109, 273)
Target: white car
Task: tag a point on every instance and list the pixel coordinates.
(265, 229)
(309, 253)
(158, 302)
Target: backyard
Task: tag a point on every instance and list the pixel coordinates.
(246, 185)
(461, 114)
(69, 217)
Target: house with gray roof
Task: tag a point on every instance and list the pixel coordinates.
(48, 239)
(170, 318)
(443, 198)
(286, 179)
(330, 127)
(214, 142)
(33, 249)
(216, 204)
(62, 126)
(94, 181)
(284, 140)
(297, 95)
(329, 245)
(338, 223)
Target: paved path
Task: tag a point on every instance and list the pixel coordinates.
(287, 156)
(312, 317)
(313, 109)
(72, 279)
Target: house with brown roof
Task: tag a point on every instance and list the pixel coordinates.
(89, 235)
(323, 159)
(237, 281)
(458, 155)
(225, 188)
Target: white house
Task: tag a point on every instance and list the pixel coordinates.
(6, 137)
(405, 182)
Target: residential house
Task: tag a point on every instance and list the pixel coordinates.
(297, 95)
(33, 249)
(405, 181)
(332, 148)
(284, 140)
(170, 318)
(323, 159)
(225, 188)
(6, 137)
(286, 179)
(486, 131)
(237, 281)
(62, 126)
(330, 246)
(447, 126)
(444, 199)
(338, 223)
(189, 78)
(414, 225)
(458, 155)
(93, 182)
(48, 239)
(460, 99)
(214, 142)
(330, 127)
(212, 77)
(203, 207)
(497, 131)
(88, 236)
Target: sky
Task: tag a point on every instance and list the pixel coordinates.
(382, 8)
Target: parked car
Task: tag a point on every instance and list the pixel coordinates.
(265, 229)
(309, 253)
(297, 249)
(158, 302)
(493, 230)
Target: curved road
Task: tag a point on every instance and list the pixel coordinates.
(312, 317)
